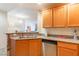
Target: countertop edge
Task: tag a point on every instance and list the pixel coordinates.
(53, 39)
(62, 40)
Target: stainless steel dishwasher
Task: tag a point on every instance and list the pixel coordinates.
(49, 48)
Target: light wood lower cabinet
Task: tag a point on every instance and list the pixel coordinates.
(35, 48)
(67, 49)
(28, 47)
(66, 52)
(22, 48)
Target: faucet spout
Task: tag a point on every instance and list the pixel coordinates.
(75, 34)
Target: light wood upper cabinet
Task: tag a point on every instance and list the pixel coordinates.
(47, 16)
(73, 15)
(60, 16)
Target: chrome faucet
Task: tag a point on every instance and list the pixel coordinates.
(75, 34)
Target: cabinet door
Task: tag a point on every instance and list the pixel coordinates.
(66, 52)
(22, 48)
(12, 47)
(47, 18)
(35, 47)
(73, 15)
(60, 16)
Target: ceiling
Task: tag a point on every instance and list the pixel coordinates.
(26, 9)
(10, 6)
(24, 13)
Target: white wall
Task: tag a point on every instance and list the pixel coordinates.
(40, 24)
(3, 31)
(19, 23)
(15, 24)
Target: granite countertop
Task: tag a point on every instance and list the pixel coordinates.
(62, 40)
(25, 38)
(49, 38)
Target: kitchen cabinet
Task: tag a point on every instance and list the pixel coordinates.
(35, 47)
(19, 47)
(60, 16)
(11, 49)
(66, 52)
(22, 48)
(67, 49)
(73, 15)
(26, 47)
(47, 16)
(55, 17)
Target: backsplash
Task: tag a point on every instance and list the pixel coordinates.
(62, 31)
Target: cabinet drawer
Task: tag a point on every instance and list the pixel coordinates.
(67, 45)
(22, 42)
